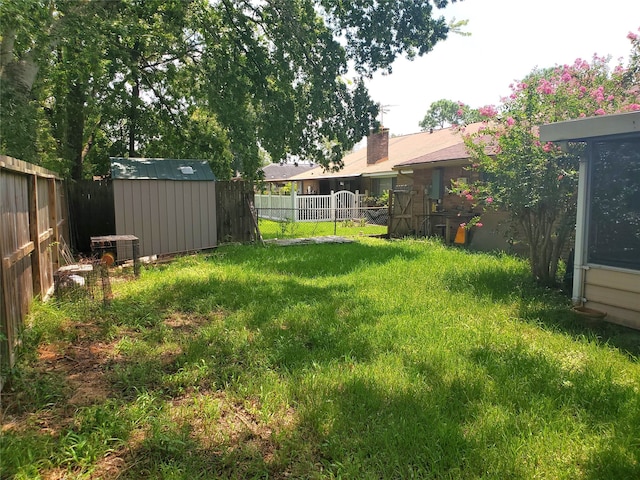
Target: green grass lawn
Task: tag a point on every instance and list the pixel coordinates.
(371, 360)
(271, 229)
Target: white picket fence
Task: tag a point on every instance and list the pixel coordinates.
(342, 205)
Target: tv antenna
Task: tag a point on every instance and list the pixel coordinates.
(384, 109)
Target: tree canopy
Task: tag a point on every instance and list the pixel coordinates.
(444, 113)
(232, 81)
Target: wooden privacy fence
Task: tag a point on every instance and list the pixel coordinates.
(33, 222)
(235, 218)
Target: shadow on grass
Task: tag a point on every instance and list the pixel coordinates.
(550, 392)
(423, 426)
(551, 309)
(555, 314)
(279, 325)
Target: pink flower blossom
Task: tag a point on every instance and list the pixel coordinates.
(463, 225)
(632, 36)
(600, 111)
(510, 121)
(468, 196)
(488, 111)
(479, 224)
(459, 112)
(545, 87)
(547, 147)
(610, 98)
(489, 199)
(560, 177)
(566, 77)
(634, 107)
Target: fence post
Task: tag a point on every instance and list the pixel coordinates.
(332, 205)
(53, 221)
(294, 194)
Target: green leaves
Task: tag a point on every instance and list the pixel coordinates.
(231, 81)
(376, 32)
(443, 113)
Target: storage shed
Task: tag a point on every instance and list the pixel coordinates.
(606, 274)
(170, 205)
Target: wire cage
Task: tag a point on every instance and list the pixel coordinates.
(87, 278)
(117, 250)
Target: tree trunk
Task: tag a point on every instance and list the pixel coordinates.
(75, 128)
(135, 99)
(6, 49)
(133, 117)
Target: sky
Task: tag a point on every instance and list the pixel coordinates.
(509, 38)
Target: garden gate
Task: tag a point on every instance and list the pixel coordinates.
(401, 205)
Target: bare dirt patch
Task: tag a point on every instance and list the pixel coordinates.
(229, 424)
(185, 323)
(79, 371)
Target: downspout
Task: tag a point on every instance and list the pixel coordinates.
(579, 265)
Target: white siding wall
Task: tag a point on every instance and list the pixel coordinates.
(614, 292)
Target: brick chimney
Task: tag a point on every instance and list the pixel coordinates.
(378, 146)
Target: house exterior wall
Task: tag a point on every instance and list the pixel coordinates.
(615, 292)
(430, 201)
(433, 217)
(309, 187)
(167, 216)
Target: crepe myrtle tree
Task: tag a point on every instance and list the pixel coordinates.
(535, 182)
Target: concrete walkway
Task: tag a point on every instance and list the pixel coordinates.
(307, 241)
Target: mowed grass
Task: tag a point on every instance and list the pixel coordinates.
(376, 359)
(350, 228)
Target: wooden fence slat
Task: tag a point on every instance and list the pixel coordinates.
(234, 221)
(30, 223)
(34, 234)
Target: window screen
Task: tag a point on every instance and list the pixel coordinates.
(614, 221)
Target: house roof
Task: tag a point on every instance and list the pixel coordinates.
(160, 169)
(402, 150)
(280, 172)
(454, 152)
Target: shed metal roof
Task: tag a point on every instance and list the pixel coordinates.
(160, 169)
